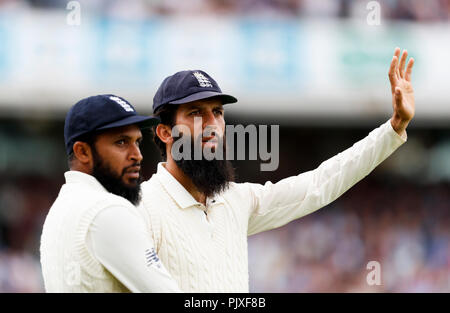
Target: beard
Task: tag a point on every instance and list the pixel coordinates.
(113, 182)
(210, 177)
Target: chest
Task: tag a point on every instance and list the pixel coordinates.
(208, 249)
(214, 234)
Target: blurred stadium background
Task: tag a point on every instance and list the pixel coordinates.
(317, 68)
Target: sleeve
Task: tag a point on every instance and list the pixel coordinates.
(118, 239)
(274, 205)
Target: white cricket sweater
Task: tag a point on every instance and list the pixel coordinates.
(208, 253)
(95, 241)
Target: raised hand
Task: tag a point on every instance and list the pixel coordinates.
(402, 91)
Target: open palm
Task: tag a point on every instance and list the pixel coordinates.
(401, 87)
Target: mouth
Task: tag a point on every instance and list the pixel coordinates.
(133, 172)
(210, 141)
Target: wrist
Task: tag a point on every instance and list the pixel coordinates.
(399, 125)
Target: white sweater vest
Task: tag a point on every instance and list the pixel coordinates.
(67, 264)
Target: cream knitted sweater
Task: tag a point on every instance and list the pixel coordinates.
(67, 264)
(208, 252)
(95, 241)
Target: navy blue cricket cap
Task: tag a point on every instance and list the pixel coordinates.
(188, 86)
(101, 112)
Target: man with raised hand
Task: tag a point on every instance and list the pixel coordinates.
(199, 219)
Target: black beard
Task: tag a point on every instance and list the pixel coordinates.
(114, 183)
(210, 177)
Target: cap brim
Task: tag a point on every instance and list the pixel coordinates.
(205, 95)
(141, 121)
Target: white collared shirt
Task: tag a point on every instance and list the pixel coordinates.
(208, 253)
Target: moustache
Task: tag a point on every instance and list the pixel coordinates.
(135, 167)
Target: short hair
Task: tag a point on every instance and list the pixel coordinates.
(167, 115)
(89, 138)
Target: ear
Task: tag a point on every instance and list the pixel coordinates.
(82, 152)
(164, 133)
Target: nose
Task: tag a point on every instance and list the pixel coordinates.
(135, 153)
(209, 120)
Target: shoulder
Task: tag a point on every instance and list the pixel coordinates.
(78, 199)
(240, 189)
(148, 184)
(153, 194)
(115, 201)
(100, 201)
(238, 193)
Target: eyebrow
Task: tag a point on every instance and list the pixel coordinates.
(199, 106)
(193, 106)
(123, 136)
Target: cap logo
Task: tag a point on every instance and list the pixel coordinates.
(202, 80)
(122, 103)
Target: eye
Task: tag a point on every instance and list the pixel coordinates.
(218, 111)
(120, 142)
(196, 112)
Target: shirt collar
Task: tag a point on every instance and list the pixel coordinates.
(178, 193)
(80, 177)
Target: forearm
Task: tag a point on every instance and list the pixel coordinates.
(296, 196)
(119, 241)
(336, 175)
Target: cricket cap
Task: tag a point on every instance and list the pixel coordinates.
(98, 113)
(188, 86)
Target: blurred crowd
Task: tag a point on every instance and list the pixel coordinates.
(404, 227)
(416, 10)
(24, 203)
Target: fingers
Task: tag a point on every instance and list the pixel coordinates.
(393, 76)
(397, 55)
(401, 68)
(397, 52)
(397, 71)
(409, 69)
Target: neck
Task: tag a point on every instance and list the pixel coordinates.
(184, 180)
(76, 166)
